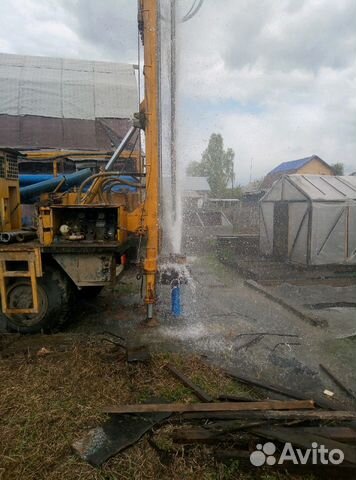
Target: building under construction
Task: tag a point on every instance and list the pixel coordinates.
(72, 106)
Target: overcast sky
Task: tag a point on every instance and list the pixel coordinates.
(276, 77)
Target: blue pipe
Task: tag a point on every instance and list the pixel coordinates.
(30, 179)
(71, 180)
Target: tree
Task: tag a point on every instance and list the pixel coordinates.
(235, 192)
(217, 164)
(195, 169)
(338, 168)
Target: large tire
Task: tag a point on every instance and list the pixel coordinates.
(55, 293)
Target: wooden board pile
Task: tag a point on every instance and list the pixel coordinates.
(237, 428)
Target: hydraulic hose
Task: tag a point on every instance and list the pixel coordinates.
(97, 177)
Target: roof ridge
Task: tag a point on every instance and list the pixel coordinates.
(294, 164)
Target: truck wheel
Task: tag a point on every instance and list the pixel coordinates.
(55, 297)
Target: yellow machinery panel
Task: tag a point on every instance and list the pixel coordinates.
(78, 224)
(30, 268)
(10, 208)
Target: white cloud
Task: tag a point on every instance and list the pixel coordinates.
(287, 67)
(87, 29)
(290, 69)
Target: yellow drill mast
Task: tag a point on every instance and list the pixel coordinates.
(149, 17)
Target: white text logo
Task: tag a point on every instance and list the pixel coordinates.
(316, 455)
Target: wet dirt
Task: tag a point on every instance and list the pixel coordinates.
(233, 326)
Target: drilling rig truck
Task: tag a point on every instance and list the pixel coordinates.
(83, 225)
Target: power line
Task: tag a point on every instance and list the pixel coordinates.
(197, 4)
(191, 9)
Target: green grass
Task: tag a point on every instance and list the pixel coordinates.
(47, 403)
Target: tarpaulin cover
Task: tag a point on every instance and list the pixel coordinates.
(64, 88)
(65, 104)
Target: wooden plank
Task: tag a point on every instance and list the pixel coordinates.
(271, 415)
(211, 407)
(304, 440)
(280, 390)
(341, 434)
(264, 385)
(198, 392)
(199, 435)
(212, 435)
(235, 398)
(311, 319)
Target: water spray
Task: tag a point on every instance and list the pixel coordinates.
(174, 272)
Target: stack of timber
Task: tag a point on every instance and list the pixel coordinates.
(233, 427)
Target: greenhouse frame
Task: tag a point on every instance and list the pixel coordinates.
(310, 220)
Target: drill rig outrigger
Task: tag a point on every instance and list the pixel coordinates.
(83, 234)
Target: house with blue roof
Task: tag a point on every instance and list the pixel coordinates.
(312, 165)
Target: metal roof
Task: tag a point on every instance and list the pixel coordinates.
(293, 165)
(324, 187)
(13, 151)
(36, 132)
(198, 184)
(64, 88)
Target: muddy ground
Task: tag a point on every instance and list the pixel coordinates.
(237, 327)
(48, 401)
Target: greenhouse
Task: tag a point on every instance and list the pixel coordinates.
(310, 220)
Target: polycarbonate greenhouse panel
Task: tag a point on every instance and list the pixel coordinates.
(298, 232)
(328, 238)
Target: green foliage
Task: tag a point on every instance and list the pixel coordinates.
(235, 192)
(217, 164)
(338, 168)
(195, 169)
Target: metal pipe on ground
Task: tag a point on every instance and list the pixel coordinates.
(17, 236)
(6, 237)
(25, 235)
